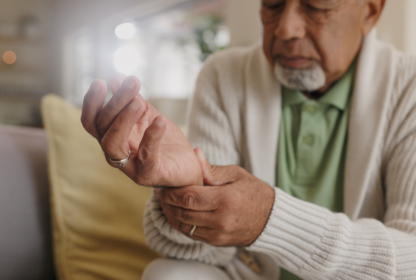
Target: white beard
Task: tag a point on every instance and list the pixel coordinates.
(307, 79)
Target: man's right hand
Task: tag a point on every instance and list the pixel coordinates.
(160, 154)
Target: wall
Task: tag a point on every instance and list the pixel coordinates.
(23, 83)
(398, 24)
(410, 26)
(72, 16)
(243, 19)
(30, 67)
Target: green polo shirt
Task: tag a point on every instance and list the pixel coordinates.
(312, 146)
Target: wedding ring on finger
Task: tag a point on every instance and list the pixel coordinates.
(192, 231)
(120, 162)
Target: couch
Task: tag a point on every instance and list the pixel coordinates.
(25, 235)
(64, 212)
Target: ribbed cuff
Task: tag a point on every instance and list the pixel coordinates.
(293, 232)
(169, 242)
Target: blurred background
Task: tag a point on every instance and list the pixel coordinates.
(61, 46)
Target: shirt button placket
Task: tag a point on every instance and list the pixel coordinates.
(308, 140)
(310, 109)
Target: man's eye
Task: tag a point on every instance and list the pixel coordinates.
(313, 9)
(273, 5)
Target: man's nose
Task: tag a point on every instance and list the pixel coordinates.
(291, 24)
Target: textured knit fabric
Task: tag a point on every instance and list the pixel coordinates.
(235, 119)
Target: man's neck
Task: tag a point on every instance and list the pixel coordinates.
(315, 95)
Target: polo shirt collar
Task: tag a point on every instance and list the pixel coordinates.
(338, 95)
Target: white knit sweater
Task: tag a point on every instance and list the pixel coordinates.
(235, 119)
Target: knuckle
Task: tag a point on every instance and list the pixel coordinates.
(176, 212)
(145, 154)
(227, 200)
(182, 227)
(172, 223)
(108, 147)
(184, 215)
(174, 197)
(102, 122)
(188, 200)
(217, 239)
(239, 169)
(223, 224)
(180, 214)
(166, 209)
(167, 195)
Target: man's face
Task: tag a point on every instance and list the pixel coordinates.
(308, 34)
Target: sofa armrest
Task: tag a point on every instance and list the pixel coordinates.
(25, 235)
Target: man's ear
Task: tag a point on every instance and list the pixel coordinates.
(371, 13)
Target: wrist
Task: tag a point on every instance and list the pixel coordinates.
(266, 208)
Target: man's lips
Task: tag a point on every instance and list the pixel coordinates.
(294, 61)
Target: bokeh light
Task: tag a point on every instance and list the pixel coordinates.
(125, 31)
(127, 59)
(9, 57)
(223, 37)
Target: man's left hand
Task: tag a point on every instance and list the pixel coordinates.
(232, 211)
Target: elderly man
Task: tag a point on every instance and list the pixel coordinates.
(322, 110)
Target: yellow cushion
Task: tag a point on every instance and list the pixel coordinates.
(97, 211)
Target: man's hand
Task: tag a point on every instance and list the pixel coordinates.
(233, 211)
(160, 153)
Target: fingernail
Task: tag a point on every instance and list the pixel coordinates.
(135, 105)
(160, 121)
(129, 83)
(95, 86)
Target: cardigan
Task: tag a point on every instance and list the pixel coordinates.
(235, 118)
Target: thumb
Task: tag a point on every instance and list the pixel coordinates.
(148, 154)
(215, 175)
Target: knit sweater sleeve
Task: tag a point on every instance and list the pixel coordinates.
(210, 129)
(317, 244)
(169, 242)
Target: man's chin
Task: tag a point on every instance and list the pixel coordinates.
(308, 79)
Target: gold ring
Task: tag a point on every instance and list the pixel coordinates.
(122, 162)
(192, 231)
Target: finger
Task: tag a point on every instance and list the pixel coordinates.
(124, 95)
(190, 217)
(115, 141)
(200, 233)
(197, 198)
(116, 81)
(217, 175)
(148, 154)
(93, 104)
